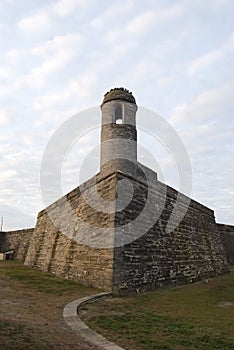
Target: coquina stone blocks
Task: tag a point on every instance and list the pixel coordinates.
(192, 251)
(17, 240)
(153, 258)
(69, 236)
(227, 236)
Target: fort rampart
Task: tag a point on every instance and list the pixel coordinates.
(18, 240)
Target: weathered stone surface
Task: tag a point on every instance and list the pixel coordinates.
(63, 244)
(154, 258)
(191, 252)
(18, 240)
(227, 235)
(118, 141)
(119, 94)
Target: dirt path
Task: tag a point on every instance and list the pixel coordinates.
(32, 320)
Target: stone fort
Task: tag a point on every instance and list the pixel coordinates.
(121, 230)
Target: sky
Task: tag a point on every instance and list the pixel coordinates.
(59, 57)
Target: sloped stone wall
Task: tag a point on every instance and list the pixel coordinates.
(158, 258)
(69, 235)
(227, 235)
(18, 240)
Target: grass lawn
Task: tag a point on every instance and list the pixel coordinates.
(31, 305)
(198, 316)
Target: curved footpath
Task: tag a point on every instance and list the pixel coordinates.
(71, 317)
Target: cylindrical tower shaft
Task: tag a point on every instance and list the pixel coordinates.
(118, 134)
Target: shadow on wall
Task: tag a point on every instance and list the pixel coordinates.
(8, 255)
(227, 236)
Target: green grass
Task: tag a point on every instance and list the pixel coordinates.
(184, 318)
(38, 280)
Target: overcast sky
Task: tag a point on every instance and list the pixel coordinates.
(59, 57)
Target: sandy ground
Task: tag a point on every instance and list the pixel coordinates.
(33, 320)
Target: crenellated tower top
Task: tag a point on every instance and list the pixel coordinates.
(119, 94)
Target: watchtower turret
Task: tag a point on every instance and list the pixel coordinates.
(118, 134)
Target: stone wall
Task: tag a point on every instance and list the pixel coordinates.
(159, 258)
(227, 235)
(18, 240)
(119, 236)
(70, 233)
(118, 142)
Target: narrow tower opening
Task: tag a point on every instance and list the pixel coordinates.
(118, 113)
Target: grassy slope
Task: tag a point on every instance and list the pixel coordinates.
(188, 317)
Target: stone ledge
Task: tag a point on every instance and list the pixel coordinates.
(71, 317)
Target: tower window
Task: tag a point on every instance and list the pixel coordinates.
(118, 113)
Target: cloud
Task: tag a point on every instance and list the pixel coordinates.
(205, 60)
(39, 76)
(6, 116)
(141, 23)
(45, 20)
(60, 56)
(207, 106)
(146, 20)
(208, 59)
(19, 171)
(205, 124)
(3, 118)
(6, 73)
(70, 99)
(112, 14)
(64, 8)
(38, 23)
(55, 56)
(59, 43)
(14, 56)
(7, 174)
(13, 218)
